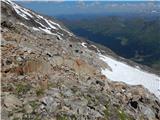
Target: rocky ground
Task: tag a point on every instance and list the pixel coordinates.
(50, 77)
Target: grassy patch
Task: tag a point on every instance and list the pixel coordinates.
(106, 112)
(40, 91)
(122, 115)
(52, 85)
(33, 104)
(16, 119)
(22, 88)
(61, 117)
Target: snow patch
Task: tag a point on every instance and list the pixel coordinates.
(40, 24)
(53, 27)
(96, 48)
(71, 34)
(138, 67)
(45, 30)
(49, 32)
(130, 75)
(23, 25)
(36, 29)
(53, 24)
(84, 44)
(19, 10)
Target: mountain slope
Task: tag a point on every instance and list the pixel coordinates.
(49, 73)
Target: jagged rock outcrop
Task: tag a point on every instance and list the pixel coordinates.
(49, 74)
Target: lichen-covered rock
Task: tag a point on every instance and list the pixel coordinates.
(12, 102)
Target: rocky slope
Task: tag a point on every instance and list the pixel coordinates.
(50, 74)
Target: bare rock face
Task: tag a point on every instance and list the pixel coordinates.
(35, 66)
(81, 67)
(48, 74)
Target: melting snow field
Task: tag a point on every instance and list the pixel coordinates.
(130, 75)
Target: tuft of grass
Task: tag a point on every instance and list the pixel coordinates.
(73, 117)
(16, 118)
(51, 85)
(33, 104)
(40, 91)
(61, 117)
(106, 112)
(22, 88)
(122, 115)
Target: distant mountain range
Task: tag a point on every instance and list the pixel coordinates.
(53, 8)
(136, 37)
